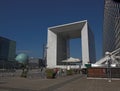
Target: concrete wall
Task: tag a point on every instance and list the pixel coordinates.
(85, 45)
(52, 49)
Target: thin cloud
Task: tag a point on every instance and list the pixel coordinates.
(24, 51)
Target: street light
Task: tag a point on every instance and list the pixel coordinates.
(108, 54)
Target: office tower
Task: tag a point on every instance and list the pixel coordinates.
(111, 27)
(7, 51)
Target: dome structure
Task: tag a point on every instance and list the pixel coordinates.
(22, 58)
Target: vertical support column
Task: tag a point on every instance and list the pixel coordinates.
(51, 49)
(68, 48)
(85, 45)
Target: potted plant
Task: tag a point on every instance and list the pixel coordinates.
(49, 73)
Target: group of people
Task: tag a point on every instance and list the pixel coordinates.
(58, 72)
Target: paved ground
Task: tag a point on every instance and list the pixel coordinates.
(91, 85)
(68, 83)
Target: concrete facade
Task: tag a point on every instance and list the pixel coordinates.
(58, 46)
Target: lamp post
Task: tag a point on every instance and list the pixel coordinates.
(108, 66)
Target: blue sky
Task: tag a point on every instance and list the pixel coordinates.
(26, 22)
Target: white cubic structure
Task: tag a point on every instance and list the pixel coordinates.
(58, 46)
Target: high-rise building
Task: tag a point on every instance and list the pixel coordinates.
(7, 50)
(111, 27)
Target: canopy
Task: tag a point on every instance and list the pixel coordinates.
(71, 60)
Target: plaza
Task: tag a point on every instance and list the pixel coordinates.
(68, 83)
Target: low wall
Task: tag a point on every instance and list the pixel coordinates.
(103, 72)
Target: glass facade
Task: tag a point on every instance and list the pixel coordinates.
(111, 26)
(7, 49)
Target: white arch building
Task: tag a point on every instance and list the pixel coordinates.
(58, 46)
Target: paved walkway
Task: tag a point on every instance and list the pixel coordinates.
(84, 84)
(68, 83)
